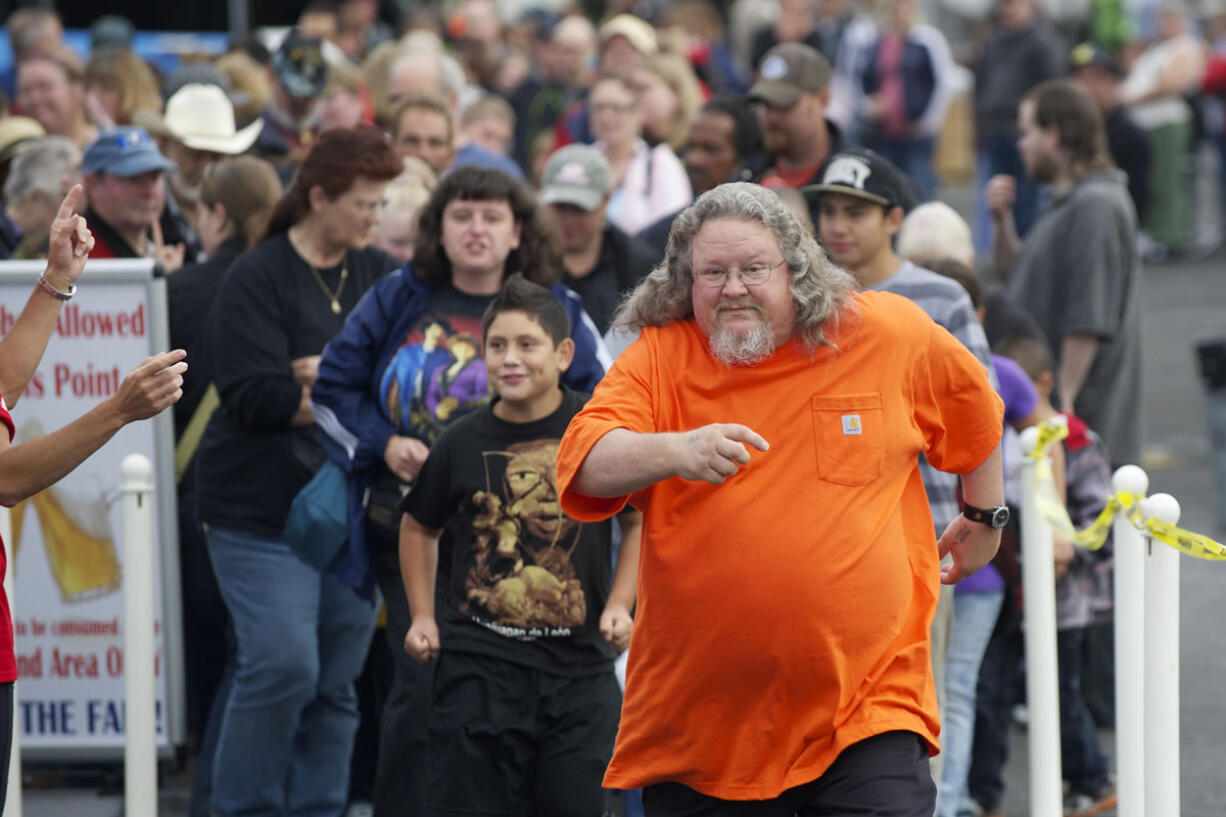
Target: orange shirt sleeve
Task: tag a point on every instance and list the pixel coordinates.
(623, 399)
(957, 409)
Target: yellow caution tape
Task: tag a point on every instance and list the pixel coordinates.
(1095, 536)
(1193, 544)
(1048, 434)
(1048, 500)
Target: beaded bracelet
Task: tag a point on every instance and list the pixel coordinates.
(49, 288)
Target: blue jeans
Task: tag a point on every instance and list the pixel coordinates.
(998, 155)
(289, 722)
(914, 157)
(974, 619)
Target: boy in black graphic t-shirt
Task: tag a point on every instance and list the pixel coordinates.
(525, 704)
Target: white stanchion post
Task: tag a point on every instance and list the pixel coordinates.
(12, 804)
(1130, 647)
(1042, 682)
(140, 719)
(1162, 762)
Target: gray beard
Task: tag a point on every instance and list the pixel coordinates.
(743, 349)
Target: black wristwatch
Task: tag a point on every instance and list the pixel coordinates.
(996, 517)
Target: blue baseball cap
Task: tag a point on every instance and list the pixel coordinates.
(124, 152)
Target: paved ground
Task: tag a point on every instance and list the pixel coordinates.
(1184, 303)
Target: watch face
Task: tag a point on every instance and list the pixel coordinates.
(1000, 517)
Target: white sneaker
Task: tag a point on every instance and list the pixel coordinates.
(360, 808)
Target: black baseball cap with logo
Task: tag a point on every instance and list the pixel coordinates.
(300, 67)
(864, 174)
(787, 72)
(1089, 54)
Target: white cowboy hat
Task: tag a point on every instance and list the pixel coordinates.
(202, 117)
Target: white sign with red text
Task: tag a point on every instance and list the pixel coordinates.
(68, 569)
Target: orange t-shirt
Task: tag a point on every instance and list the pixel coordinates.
(783, 615)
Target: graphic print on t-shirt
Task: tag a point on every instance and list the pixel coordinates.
(522, 582)
(436, 376)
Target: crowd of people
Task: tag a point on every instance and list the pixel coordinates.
(403, 248)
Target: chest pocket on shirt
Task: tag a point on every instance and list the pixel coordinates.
(849, 434)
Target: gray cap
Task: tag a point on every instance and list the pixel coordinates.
(787, 72)
(578, 175)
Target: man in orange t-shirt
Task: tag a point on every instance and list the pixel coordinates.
(781, 650)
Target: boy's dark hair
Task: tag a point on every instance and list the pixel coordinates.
(1029, 353)
(964, 275)
(519, 294)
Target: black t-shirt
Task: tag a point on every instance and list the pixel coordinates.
(269, 310)
(528, 583)
(1129, 147)
(438, 374)
(624, 261)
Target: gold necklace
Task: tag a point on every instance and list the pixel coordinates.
(334, 297)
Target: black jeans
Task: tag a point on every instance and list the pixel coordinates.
(509, 739)
(400, 775)
(1098, 673)
(886, 775)
(1085, 766)
(994, 699)
(6, 738)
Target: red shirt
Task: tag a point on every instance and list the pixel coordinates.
(8, 657)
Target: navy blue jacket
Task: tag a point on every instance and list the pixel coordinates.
(353, 428)
(919, 78)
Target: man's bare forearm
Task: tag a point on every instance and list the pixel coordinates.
(1006, 246)
(624, 461)
(1077, 353)
(983, 487)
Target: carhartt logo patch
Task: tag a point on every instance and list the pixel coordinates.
(851, 424)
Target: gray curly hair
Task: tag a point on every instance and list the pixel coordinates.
(820, 289)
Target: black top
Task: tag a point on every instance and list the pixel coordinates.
(623, 262)
(104, 233)
(439, 374)
(190, 293)
(655, 235)
(1129, 147)
(175, 230)
(528, 583)
(269, 311)
(10, 235)
(537, 105)
(1013, 61)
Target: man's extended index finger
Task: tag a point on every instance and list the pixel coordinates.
(745, 434)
